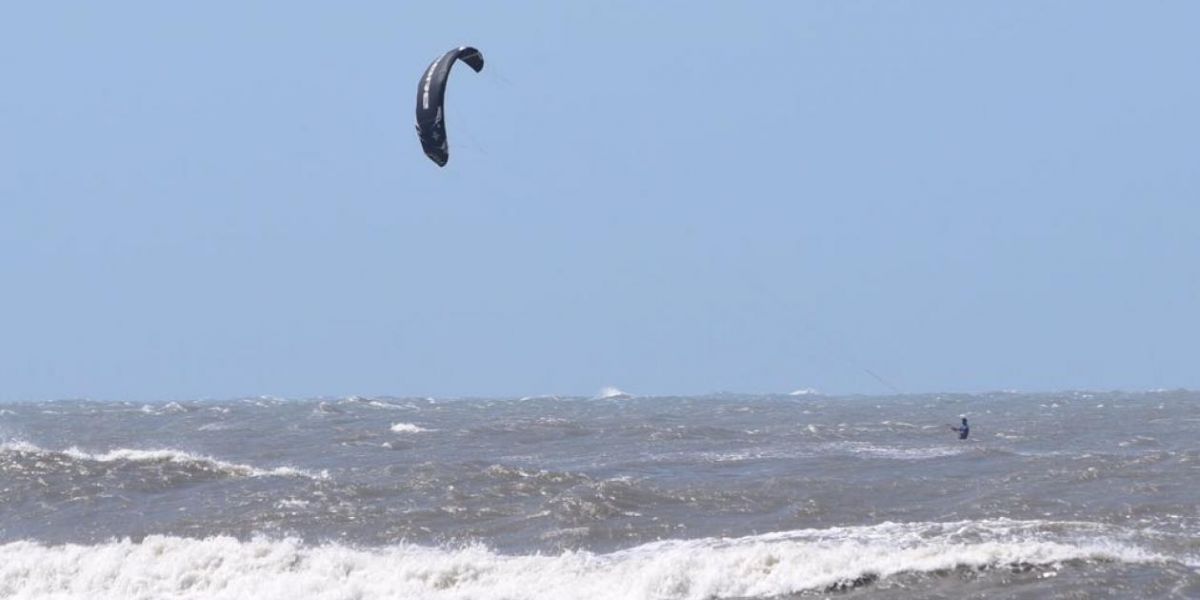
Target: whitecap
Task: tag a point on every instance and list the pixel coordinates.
(166, 455)
(387, 406)
(611, 392)
(889, 452)
(761, 566)
(407, 428)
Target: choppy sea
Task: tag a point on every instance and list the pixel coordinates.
(1066, 495)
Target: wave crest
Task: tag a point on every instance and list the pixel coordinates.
(407, 428)
(167, 456)
(761, 566)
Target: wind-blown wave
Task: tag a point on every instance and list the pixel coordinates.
(179, 458)
(761, 566)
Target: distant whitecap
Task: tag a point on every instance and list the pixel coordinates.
(407, 428)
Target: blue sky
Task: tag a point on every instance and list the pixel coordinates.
(224, 199)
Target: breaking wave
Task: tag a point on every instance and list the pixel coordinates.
(407, 428)
(610, 393)
(179, 458)
(761, 566)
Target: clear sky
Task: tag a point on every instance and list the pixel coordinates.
(218, 199)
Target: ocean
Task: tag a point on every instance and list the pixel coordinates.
(1064, 495)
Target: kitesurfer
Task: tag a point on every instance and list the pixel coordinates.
(963, 431)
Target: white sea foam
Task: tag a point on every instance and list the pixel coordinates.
(873, 451)
(803, 392)
(538, 397)
(326, 408)
(761, 566)
(407, 428)
(739, 456)
(169, 408)
(611, 392)
(836, 448)
(385, 405)
(19, 446)
(165, 455)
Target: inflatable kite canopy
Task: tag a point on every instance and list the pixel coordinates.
(431, 96)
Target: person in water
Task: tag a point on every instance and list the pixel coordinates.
(963, 431)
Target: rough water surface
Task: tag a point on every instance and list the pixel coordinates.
(1065, 495)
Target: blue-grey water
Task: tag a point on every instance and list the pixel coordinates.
(1071, 495)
